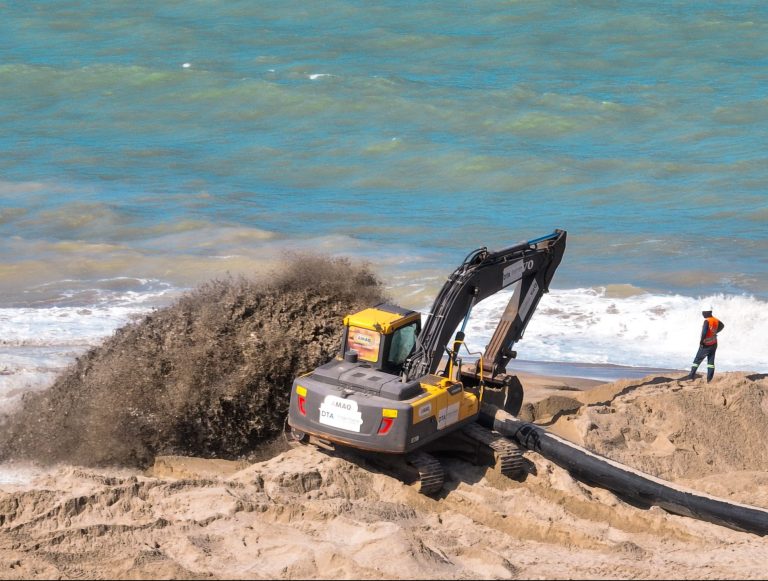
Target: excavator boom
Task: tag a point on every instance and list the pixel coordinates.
(529, 266)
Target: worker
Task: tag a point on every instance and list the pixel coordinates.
(707, 344)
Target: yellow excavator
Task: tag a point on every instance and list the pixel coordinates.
(398, 390)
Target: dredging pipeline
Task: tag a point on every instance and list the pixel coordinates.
(631, 485)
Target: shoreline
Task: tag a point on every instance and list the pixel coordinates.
(542, 379)
(599, 372)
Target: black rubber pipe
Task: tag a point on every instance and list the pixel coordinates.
(632, 485)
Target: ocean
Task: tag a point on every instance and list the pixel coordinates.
(150, 147)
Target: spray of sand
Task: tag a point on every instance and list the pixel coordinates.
(207, 376)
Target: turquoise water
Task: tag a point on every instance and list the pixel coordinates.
(148, 147)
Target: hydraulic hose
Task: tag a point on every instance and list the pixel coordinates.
(632, 485)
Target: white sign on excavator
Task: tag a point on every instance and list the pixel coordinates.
(340, 413)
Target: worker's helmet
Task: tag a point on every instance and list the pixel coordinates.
(706, 309)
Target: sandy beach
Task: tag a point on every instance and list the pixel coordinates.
(303, 513)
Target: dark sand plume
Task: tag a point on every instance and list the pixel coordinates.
(209, 375)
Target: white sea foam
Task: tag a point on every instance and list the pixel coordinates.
(36, 344)
(583, 325)
(61, 326)
(649, 330)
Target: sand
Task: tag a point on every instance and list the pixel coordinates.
(304, 513)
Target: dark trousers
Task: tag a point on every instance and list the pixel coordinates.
(707, 351)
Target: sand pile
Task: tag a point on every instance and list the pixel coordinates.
(683, 431)
(208, 376)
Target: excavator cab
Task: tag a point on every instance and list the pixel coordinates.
(382, 336)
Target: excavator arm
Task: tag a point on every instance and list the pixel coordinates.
(529, 266)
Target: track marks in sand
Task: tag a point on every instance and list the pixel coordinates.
(551, 507)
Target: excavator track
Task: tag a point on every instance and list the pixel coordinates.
(431, 474)
(419, 470)
(508, 455)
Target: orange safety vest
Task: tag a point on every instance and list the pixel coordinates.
(711, 337)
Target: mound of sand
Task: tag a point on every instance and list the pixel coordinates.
(209, 375)
(683, 431)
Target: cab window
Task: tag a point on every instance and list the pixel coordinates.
(402, 344)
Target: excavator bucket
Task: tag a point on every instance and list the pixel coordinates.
(503, 391)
